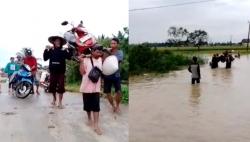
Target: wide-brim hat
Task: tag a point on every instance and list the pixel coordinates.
(51, 39)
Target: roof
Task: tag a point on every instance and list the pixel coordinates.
(244, 41)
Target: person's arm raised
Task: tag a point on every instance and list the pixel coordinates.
(69, 53)
(46, 53)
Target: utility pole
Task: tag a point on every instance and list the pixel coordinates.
(248, 35)
(231, 38)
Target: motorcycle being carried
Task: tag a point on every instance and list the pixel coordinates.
(22, 82)
(82, 41)
(79, 39)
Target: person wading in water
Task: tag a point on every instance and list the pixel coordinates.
(194, 68)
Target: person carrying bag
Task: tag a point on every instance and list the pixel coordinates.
(95, 73)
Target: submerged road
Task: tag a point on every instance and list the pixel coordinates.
(170, 109)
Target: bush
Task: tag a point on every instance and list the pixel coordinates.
(72, 72)
(125, 94)
(144, 59)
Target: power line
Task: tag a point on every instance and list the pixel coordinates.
(248, 35)
(171, 5)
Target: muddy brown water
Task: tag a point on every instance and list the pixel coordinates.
(170, 109)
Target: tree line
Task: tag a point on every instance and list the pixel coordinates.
(181, 37)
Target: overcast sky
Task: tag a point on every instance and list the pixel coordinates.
(221, 19)
(29, 23)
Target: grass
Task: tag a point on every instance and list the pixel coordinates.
(125, 94)
(74, 87)
(144, 59)
(206, 49)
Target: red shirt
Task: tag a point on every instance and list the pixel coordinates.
(31, 61)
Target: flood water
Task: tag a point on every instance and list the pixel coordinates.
(170, 109)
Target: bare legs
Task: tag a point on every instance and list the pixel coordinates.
(54, 99)
(89, 123)
(95, 125)
(111, 101)
(60, 100)
(118, 97)
(37, 89)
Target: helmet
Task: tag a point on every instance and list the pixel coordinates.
(28, 52)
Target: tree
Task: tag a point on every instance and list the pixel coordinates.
(198, 38)
(178, 34)
(103, 40)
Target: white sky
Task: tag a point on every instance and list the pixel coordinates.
(29, 23)
(220, 18)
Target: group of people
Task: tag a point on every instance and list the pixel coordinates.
(194, 67)
(57, 56)
(90, 90)
(225, 57)
(15, 64)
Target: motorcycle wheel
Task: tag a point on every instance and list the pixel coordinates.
(23, 89)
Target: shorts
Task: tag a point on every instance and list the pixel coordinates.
(35, 81)
(112, 80)
(57, 83)
(197, 80)
(91, 102)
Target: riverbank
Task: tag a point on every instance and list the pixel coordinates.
(206, 49)
(144, 60)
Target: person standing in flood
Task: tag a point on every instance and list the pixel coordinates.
(57, 66)
(214, 62)
(229, 60)
(194, 68)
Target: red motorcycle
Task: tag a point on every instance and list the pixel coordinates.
(79, 38)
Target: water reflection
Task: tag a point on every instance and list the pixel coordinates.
(195, 95)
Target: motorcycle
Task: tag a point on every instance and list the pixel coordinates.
(22, 82)
(79, 39)
(45, 81)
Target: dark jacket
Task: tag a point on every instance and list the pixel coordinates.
(57, 59)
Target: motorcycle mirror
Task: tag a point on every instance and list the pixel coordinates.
(64, 23)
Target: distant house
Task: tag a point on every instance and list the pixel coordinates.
(244, 42)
